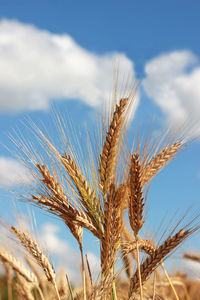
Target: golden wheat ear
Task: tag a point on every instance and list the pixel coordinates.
(42, 260)
(88, 198)
(159, 161)
(110, 151)
(136, 201)
(112, 229)
(160, 254)
(17, 266)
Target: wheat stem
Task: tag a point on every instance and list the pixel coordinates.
(83, 272)
(169, 280)
(138, 267)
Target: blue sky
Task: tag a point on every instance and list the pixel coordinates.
(61, 53)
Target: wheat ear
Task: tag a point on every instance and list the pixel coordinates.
(136, 202)
(151, 263)
(158, 162)
(52, 184)
(88, 197)
(74, 218)
(42, 260)
(136, 206)
(144, 245)
(56, 194)
(109, 153)
(191, 256)
(17, 266)
(112, 229)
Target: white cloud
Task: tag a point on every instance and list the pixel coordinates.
(37, 66)
(54, 243)
(173, 83)
(192, 268)
(12, 173)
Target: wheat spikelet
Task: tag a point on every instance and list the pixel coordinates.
(159, 161)
(151, 263)
(88, 197)
(32, 247)
(136, 203)
(109, 152)
(17, 266)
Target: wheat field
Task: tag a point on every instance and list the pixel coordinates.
(97, 197)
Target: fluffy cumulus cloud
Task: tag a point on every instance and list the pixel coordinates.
(12, 173)
(64, 255)
(37, 66)
(173, 82)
